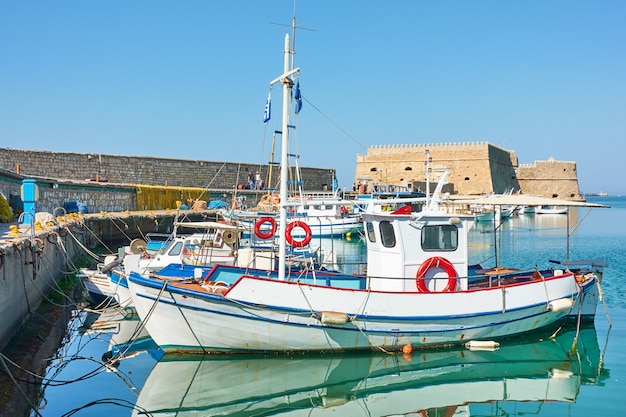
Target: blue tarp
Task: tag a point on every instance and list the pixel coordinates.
(75, 207)
(217, 204)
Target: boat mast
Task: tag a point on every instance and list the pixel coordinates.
(286, 79)
(287, 83)
(427, 163)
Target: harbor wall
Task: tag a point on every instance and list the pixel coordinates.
(112, 183)
(54, 194)
(128, 170)
(31, 265)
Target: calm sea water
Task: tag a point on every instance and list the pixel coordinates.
(540, 377)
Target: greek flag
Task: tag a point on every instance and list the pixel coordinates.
(298, 97)
(267, 114)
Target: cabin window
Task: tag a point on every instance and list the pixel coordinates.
(387, 235)
(442, 237)
(370, 232)
(176, 249)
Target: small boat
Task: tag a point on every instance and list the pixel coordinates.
(551, 210)
(443, 382)
(499, 213)
(319, 216)
(417, 290)
(485, 216)
(528, 210)
(191, 246)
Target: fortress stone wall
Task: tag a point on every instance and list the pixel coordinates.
(476, 168)
(550, 178)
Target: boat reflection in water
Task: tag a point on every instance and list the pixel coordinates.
(127, 336)
(443, 382)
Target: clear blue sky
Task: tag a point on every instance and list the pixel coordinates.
(189, 79)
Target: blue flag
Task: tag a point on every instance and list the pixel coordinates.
(298, 97)
(267, 114)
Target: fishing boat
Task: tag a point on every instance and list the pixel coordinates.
(529, 210)
(318, 216)
(190, 247)
(418, 291)
(550, 209)
(444, 382)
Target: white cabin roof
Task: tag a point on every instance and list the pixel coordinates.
(524, 200)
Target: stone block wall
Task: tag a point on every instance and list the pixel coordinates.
(146, 170)
(10, 183)
(30, 268)
(475, 168)
(95, 197)
(550, 178)
(54, 194)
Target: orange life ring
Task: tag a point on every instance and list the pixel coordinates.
(291, 240)
(260, 222)
(436, 262)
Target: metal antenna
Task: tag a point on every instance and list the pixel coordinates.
(293, 27)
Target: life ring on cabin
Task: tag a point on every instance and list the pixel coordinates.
(436, 262)
(260, 222)
(298, 243)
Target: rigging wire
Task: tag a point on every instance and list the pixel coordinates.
(355, 140)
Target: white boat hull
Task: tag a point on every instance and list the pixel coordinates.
(268, 315)
(103, 289)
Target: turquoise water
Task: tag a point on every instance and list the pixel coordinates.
(538, 377)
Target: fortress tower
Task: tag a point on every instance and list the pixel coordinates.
(476, 168)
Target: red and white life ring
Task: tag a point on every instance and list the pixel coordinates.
(260, 222)
(291, 240)
(436, 262)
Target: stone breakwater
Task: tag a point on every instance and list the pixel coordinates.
(126, 170)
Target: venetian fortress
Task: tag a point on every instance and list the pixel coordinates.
(476, 168)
